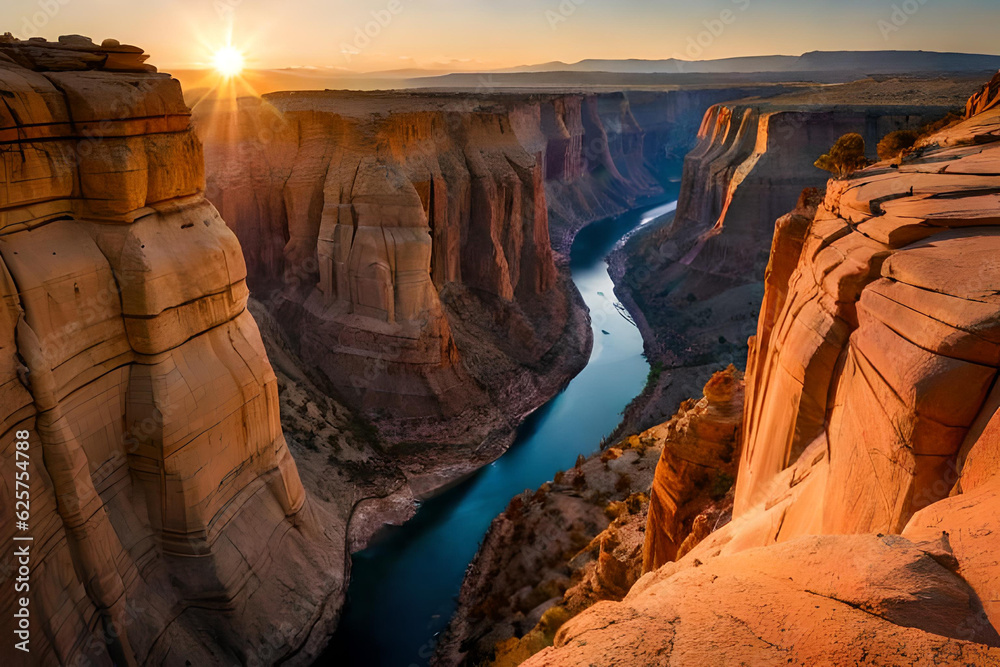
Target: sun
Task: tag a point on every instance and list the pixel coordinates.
(228, 61)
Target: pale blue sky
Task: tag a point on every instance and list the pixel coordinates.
(279, 33)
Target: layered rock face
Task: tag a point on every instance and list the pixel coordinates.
(697, 465)
(168, 519)
(409, 242)
(869, 421)
(394, 247)
(696, 283)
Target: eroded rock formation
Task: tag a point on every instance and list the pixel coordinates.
(591, 533)
(695, 284)
(410, 243)
(168, 519)
(866, 504)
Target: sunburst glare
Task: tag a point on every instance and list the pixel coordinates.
(228, 61)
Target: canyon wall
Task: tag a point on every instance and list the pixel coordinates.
(168, 522)
(695, 283)
(413, 244)
(864, 527)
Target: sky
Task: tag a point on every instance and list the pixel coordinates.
(371, 35)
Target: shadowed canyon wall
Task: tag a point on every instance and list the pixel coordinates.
(864, 528)
(412, 244)
(168, 519)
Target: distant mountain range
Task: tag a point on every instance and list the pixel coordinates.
(869, 62)
(817, 67)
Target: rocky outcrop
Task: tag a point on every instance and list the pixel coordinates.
(168, 521)
(697, 467)
(866, 501)
(407, 252)
(585, 531)
(590, 534)
(695, 283)
(985, 99)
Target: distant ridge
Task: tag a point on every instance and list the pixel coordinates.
(867, 62)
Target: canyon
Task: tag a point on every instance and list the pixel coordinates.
(694, 283)
(243, 338)
(413, 244)
(863, 515)
(194, 468)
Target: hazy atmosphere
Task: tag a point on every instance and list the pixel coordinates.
(476, 34)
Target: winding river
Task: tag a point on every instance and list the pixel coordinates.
(403, 587)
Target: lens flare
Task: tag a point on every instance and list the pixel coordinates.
(228, 61)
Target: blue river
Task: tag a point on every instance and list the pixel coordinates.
(404, 587)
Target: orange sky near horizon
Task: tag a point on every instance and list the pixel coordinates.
(373, 35)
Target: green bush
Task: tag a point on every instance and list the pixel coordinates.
(845, 157)
(894, 143)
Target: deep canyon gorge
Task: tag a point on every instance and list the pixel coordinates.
(245, 335)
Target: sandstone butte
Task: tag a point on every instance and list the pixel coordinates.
(166, 510)
(866, 512)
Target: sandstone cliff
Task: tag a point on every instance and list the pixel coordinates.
(867, 498)
(411, 243)
(169, 522)
(695, 283)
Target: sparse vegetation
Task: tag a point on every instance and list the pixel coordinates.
(952, 118)
(721, 485)
(655, 371)
(624, 483)
(846, 156)
(895, 143)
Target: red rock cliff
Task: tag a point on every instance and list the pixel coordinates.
(167, 516)
(865, 523)
(695, 283)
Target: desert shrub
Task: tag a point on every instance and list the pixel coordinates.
(615, 509)
(810, 198)
(655, 371)
(553, 619)
(952, 118)
(846, 156)
(635, 502)
(624, 483)
(894, 143)
(721, 485)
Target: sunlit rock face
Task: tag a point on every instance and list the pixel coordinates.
(168, 518)
(698, 281)
(866, 503)
(699, 447)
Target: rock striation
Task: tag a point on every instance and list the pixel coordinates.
(412, 244)
(695, 282)
(866, 500)
(169, 522)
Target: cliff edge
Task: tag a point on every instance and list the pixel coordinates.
(865, 512)
(168, 523)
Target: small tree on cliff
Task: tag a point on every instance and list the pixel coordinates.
(894, 143)
(845, 157)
